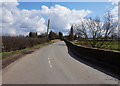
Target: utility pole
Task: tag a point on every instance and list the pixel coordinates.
(48, 27)
(48, 23)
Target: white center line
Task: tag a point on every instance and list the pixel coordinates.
(49, 62)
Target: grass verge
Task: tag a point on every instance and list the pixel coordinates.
(6, 54)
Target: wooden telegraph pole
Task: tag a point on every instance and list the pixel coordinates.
(48, 27)
(48, 23)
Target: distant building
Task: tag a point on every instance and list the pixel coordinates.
(42, 36)
(33, 34)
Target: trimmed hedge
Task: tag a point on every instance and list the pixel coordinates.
(17, 43)
(107, 57)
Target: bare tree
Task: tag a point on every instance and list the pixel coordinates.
(97, 33)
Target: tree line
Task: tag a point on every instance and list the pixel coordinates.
(51, 36)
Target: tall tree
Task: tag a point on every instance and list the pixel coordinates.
(52, 35)
(75, 37)
(71, 35)
(60, 35)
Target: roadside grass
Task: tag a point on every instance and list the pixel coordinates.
(114, 45)
(6, 54)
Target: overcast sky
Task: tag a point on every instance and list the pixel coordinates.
(23, 17)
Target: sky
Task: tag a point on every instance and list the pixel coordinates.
(20, 18)
(97, 8)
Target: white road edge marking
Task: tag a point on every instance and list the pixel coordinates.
(49, 62)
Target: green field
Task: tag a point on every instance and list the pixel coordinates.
(114, 45)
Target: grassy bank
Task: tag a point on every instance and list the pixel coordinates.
(6, 54)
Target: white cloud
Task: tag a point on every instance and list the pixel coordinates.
(62, 18)
(114, 11)
(16, 21)
(114, 1)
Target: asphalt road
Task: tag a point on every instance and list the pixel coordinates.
(53, 65)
